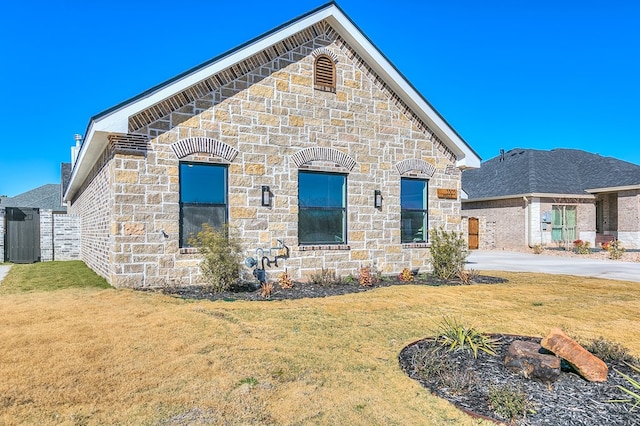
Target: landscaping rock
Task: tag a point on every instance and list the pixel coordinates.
(584, 362)
(527, 359)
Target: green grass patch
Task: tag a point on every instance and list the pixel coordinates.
(50, 276)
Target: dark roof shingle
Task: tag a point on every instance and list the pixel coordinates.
(558, 171)
(44, 197)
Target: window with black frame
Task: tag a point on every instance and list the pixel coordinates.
(322, 217)
(203, 198)
(413, 210)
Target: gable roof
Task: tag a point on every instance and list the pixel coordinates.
(43, 197)
(116, 119)
(558, 171)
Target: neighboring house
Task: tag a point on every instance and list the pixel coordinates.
(34, 226)
(306, 134)
(526, 197)
(44, 197)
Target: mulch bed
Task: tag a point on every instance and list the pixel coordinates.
(570, 400)
(251, 291)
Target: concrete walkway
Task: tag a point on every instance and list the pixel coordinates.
(4, 270)
(525, 262)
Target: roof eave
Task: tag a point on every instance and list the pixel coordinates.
(115, 120)
(613, 189)
(532, 195)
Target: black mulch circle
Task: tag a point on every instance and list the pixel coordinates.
(251, 291)
(570, 400)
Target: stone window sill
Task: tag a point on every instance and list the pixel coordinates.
(415, 245)
(325, 247)
(189, 250)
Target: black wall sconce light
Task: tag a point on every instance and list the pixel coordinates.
(377, 200)
(266, 196)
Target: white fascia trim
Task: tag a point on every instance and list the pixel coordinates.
(372, 56)
(613, 189)
(118, 121)
(533, 195)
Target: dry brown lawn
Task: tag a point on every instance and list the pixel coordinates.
(94, 356)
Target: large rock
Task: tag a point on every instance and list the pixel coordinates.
(584, 362)
(527, 359)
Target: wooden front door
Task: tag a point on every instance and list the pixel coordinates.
(473, 233)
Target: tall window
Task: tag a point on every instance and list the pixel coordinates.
(324, 74)
(413, 210)
(563, 223)
(203, 198)
(322, 217)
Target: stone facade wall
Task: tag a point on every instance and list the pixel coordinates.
(59, 236)
(46, 235)
(629, 218)
(508, 219)
(66, 237)
(518, 224)
(269, 115)
(2, 234)
(94, 206)
(586, 218)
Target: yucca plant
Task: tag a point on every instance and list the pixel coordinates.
(634, 390)
(455, 336)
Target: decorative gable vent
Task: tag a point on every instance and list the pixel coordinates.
(325, 74)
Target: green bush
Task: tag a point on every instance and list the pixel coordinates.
(608, 351)
(509, 403)
(455, 336)
(448, 253)
(634, 387)
(222, 252)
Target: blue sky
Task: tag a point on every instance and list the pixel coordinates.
(505, 74)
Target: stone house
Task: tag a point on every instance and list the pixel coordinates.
(306, 135)
(526, 197)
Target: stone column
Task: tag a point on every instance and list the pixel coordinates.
(46, 235)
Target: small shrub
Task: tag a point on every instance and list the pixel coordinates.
(405, 275)
(455, 336)
(222, 252)
(467, 277)
(349, 279)
(634, 387)
(365, 277)
(428, 364)
(266, 289)
(457, 381)
(615, 249)
(608, 351)
(509, 403)
(324, 277)
(538, 249)
(284, 280)
(448, 253)
(581, 247)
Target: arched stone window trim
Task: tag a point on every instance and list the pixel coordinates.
(324, 69)
(319, 153)
(188, 146)
(415, 164)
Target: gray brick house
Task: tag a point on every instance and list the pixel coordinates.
(306, 134)
(526, 197)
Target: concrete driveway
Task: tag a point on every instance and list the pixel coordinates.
(525, 262)
(4, 270)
